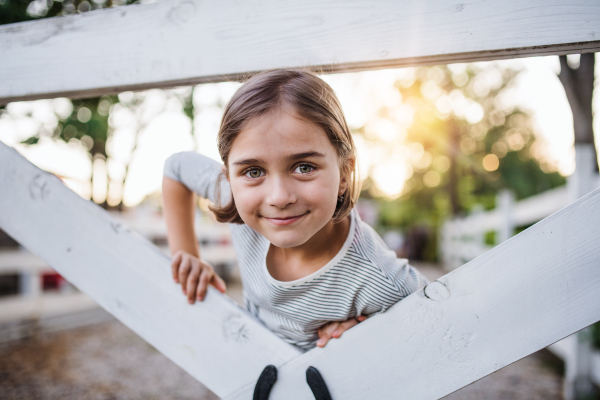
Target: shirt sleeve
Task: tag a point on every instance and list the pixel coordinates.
(198, 173)
(408, 279)
(404, 279)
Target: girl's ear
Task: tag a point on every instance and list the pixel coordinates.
(346, 172)
(225, 172)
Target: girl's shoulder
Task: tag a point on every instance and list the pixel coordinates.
(373, 250)
(367, 239)
(199, 173)
(179, 164)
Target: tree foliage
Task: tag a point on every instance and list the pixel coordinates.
(13, 11)
(88, 121)
(470, 141)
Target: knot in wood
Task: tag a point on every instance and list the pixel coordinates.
(436, 291)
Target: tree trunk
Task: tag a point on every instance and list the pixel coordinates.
(454, 152)
(579, 87)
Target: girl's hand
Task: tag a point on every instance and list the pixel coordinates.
(334, 329)
(194, 275)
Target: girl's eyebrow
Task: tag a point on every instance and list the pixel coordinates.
(306, 154)
(249, 161)
(291, 157)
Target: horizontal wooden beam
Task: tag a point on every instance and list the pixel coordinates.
(216, 341)
(525, 294)
(184, 42)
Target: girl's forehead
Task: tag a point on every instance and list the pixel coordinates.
(280, 135)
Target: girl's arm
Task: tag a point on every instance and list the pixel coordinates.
(178, 208)
(187, 267)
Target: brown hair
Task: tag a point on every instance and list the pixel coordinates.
(312, 99)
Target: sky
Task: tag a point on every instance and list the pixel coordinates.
(165, 130)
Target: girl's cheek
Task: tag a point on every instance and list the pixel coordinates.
(247, 198)
(322, 193)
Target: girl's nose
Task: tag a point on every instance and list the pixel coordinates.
(280, 193)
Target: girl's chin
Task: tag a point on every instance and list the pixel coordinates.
(286, 240)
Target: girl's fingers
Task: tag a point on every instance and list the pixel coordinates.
(205, 277)
(192, 283)
(219, 283)
(335, 329)
(344, 326)
(194, 275)
(325, 333)
(184, 270)
(175, 266)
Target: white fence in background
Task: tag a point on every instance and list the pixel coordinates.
(463, 239)
(567, 350)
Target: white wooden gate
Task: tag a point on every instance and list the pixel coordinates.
(531, 291)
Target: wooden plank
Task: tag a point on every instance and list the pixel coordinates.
(535, 208)
(45, 305)
(16, 329)
(215, 340)
(596, 367)
(183, 42)
(14, 261)
(525, 294)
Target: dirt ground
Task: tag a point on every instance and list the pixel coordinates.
(101, 361)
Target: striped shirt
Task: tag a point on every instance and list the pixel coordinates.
(364, 278)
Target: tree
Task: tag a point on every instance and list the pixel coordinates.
(144, 111)
(89, 120)
(13, 11)
(467, 140)
(578, 83)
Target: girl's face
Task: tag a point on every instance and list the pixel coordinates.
(284, 174)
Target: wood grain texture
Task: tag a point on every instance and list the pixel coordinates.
(216, 341)
(182, 42)
(525, 294)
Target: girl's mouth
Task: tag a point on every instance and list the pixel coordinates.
(286, 220)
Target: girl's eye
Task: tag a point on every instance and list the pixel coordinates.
(305, 168)
(254, 173)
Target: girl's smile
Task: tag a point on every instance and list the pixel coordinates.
(284, 220)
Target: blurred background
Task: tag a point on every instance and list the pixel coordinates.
(453, 159)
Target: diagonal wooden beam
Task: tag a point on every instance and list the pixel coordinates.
(525, 294)
(216, 341)
(183, 42)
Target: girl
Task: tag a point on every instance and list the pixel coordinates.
(310, 268)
